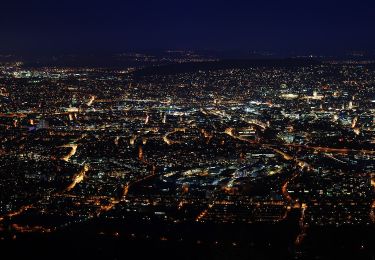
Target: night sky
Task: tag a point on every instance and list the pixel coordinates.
(265, 25)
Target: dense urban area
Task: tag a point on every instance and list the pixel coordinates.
(269, 156)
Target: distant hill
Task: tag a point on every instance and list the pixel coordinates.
(221, 65)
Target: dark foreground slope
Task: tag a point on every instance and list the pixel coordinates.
(261, 241)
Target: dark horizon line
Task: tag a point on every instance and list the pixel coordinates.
(265, 52)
